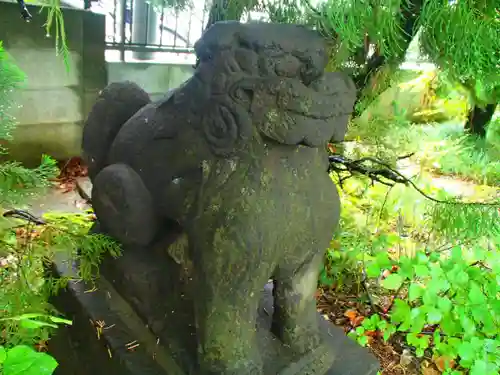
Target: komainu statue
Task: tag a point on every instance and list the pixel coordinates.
(231, 167)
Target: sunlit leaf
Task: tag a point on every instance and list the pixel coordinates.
(392, 282)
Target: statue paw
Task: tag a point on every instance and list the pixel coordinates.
(302, 341)
(124, 205)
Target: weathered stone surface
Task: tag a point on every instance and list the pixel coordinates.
(126, 346)
(227, 175)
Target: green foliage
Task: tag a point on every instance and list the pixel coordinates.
(24, 360)
(55, 23)
(18, 182)
(374, 219)
(448, 151)
(450, 306)
(285, 11)
(464, 40)
(26, 287)
(441, 148)
(429, 258)
(350, 22)
(493, 134)
(466, 222)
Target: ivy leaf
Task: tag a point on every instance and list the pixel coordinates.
(429, 297)
(363, 340)
(392, 282)
(468, 325)
(387, 335)
(467, 351)
(401, 312)
(434, 316)
(444, 304)
(418, 319)
(373, 270)
(449, 325)
(415, 292)
(437, 337)
(422, 258)
(412, 339)
(462, 278)
(325, 279)
(406, 267)
(434, 257)
(476, 296)
(479, 368)
(457, 254)
(421, 270)
(383, 260)
(23, 360)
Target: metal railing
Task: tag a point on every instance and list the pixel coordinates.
(137, 26)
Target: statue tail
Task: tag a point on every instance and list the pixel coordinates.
(115, 105)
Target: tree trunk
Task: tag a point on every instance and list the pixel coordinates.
(226, 10)
(479, 118)
(409, 27)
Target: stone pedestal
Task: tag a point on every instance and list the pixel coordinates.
(138, 321)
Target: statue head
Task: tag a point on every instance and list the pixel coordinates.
(268, 81)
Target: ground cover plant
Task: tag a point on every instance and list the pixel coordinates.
(27, 246)
(414, 278)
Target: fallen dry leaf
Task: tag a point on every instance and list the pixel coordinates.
(406, 358)
(429, 370)
(386, 274)
(351, 314)
(442, 363)
(357, 322)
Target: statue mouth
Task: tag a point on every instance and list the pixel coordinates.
(306, 115)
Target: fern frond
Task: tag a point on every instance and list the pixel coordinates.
(16, 181)
(25, 252)
(466, 222)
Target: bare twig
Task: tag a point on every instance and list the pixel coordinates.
(345, 168)
(25, 215)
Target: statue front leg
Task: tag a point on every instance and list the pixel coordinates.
(229, 277)
(295, 318)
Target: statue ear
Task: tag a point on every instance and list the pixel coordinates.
(226, 125)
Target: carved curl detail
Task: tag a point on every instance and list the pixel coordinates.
(226, 126)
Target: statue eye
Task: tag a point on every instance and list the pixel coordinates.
(243, 94)
(205, 57)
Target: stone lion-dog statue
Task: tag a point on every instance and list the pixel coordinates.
(236, 157)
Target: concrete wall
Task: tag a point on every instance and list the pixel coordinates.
(54, 102)
(156, 79)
